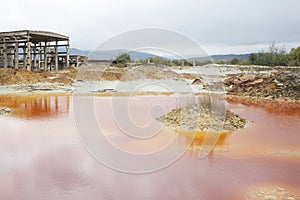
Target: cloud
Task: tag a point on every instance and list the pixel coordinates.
(220, 26)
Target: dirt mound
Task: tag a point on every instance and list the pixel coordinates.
(19, 76)
(140, 72)
(112, 74)
(200, 118)
(190, 76)
(275, 85)
(65, 76)
(109, 74)
(62, 80)
(125, 74)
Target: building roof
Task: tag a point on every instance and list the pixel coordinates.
(33, 36)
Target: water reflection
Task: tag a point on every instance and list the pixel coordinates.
(43, 106)
(220, 146)
(37, 106)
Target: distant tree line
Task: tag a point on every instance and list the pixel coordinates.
(164, 61)
(275, 56)
(123, 59)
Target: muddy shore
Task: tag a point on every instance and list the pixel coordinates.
(277, 83)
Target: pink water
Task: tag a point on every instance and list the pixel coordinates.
(41, 156)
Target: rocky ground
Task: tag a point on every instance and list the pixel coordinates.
(276, 85)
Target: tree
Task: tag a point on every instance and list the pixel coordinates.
(279, 55)
(253, 58)
(294, 56)
(234, 61)
(121, 60)
(275, 56)
(137, 60)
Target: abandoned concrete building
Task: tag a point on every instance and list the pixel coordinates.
(77, 60)
(34, 50)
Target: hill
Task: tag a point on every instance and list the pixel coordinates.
(111, 54)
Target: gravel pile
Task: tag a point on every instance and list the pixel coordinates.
(201, 118)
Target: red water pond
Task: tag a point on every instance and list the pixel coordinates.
(42, 156)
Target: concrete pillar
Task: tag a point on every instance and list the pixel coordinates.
(40, 54)
(45, 57)
(16, 55)
(5, 60)
(68, 54)
(29, 60)
(11, 51)
(56, 55)
(34, 56)
(1, 54)
(24, 56)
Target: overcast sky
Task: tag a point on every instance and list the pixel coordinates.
(219, 26)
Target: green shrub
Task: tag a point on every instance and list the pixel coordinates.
(121, 60)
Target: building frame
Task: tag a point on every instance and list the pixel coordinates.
(34, 50)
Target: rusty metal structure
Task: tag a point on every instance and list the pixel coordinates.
(34, 50)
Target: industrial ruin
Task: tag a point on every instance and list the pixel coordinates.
(36, 51)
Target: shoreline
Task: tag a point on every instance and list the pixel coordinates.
(143, 93)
